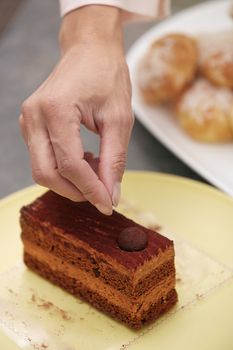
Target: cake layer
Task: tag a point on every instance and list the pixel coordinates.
(89, 261)
(80, 289)
(81, 222)
(95, 284)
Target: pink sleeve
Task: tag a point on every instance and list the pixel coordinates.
(133, 9)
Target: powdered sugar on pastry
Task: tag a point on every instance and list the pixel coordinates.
(219, 45)
(155, 64)
(168, 66)
(203, 97)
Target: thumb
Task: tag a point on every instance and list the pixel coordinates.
(113, 150)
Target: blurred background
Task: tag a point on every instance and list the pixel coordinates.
(28, 51)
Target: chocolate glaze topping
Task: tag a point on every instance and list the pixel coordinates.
(83, 222)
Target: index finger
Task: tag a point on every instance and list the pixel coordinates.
(64, 131)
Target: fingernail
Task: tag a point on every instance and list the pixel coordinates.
(116, 194)
(103, 209)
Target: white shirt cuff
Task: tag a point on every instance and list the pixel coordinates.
(134, 9)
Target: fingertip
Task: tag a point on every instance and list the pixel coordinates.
(116, 193)
(104, 209)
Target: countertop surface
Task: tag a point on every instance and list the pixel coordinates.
(28, 52)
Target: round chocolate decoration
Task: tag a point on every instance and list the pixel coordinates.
(132, 239)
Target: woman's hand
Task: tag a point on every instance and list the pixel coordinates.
(90, 85)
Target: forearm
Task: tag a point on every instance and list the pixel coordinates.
(131, 9)
(92, 24)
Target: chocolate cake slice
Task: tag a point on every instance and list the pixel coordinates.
(118, 266)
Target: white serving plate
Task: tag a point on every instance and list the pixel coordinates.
(213, 162)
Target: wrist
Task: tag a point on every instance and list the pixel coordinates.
(91, 24)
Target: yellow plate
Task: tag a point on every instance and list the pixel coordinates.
(195, 212)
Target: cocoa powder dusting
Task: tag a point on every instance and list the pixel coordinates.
(37, 346)
(199, 296)
(12, 292)
(33, 298)
(48, 305)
